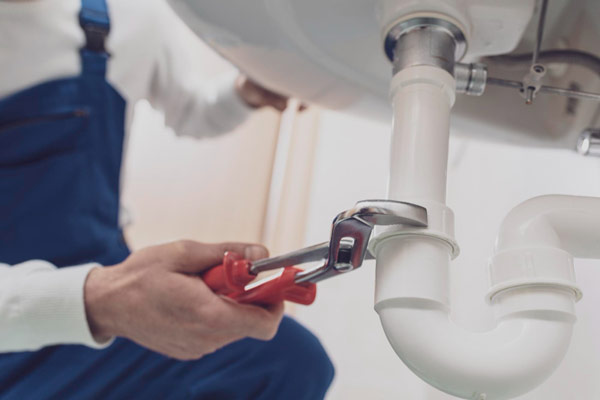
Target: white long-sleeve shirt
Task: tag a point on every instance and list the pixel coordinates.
(40, 40)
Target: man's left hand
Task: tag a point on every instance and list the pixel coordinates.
(257, 96)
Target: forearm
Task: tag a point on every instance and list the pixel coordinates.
(208, 111)
(41, 305)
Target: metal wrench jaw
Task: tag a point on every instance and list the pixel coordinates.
(352, 230)
(347, 249)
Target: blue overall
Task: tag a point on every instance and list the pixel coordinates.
(60, 155)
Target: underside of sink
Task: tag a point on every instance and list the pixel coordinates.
(331, 53)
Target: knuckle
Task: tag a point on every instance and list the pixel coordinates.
(175, 250)
(182, 248)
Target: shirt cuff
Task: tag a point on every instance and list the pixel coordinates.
(52, 309)
(229, 110)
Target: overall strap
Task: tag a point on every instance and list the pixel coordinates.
(95, 22)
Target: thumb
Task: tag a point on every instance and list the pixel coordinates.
(194, 257)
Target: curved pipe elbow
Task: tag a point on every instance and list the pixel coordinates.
(533, 295)
(514, 358)
(566, 222)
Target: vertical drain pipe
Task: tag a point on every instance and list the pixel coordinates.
(423, 62)
(423, 51)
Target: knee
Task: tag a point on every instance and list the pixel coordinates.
(306, 359)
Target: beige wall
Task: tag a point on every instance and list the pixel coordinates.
(287, 209)
(231, 188)
(207, 190)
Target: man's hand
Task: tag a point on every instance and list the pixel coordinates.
(156, 299)
(257, 96)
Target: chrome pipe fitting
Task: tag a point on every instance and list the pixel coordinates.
(425, 41)
(470, 78)
(589, 143)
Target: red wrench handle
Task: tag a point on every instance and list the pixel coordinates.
(231, 278)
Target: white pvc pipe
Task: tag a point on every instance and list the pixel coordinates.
(419, 149)
(568, 222)
(520, 353)
(533, 291)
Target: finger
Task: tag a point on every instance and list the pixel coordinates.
(233, 320)
(274, 100)
(226, 318)
(254, 321)
(276, 309)
(278, 103)
(265, 97)
(194, 257)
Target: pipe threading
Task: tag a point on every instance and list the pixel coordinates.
(425, 46)
(425, 41)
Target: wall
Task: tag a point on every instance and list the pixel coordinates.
(208, 190)
(485, 182)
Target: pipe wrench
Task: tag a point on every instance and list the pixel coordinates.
(345, 252)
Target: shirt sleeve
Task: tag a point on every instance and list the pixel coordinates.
(41, 305)
(192, 106)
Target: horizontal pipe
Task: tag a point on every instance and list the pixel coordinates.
(570, 223)
(577, 94)
(574, 57)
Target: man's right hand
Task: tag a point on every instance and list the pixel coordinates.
(156, 299)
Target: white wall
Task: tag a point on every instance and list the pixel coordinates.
(207, 190)
(485, 182)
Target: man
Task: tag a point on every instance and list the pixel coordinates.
(67, 91)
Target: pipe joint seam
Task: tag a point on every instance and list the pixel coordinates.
(532, 267)
(425, 76)
(440, 226)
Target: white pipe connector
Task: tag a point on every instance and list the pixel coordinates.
(533, 288)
